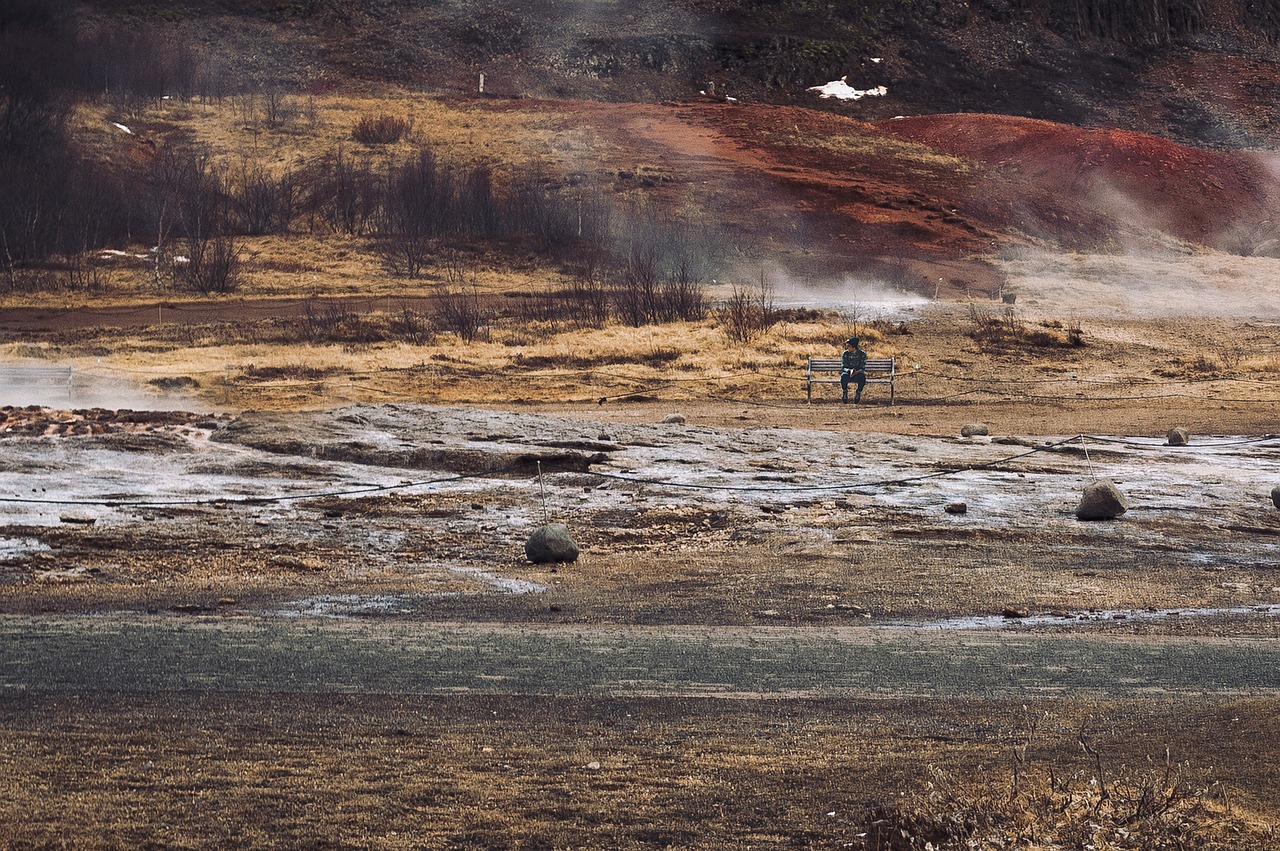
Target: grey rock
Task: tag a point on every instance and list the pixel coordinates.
(974, 430)
(673, 419)
(1101, 501)
(1275, 496)
(551, 543)
(956, 507)
(1179, 436)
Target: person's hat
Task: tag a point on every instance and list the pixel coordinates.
(852, 341)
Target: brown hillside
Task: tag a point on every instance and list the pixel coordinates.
(1090, 188)
(933, 196)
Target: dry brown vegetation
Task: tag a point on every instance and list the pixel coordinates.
(308, 305)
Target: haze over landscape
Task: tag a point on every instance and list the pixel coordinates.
(318, 319)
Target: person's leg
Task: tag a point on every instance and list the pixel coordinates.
(861, 378)
(844, 387)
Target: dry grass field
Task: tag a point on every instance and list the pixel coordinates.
(841, 227)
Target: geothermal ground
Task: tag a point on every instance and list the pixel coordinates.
(787, 620)
(302, 615)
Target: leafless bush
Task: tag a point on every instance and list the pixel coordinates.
(278, 107)
(213, 264)
(411, 326)
(1092, 804)
(87, 273)
(264, 203)
(380, 129)
(343, 193)
(480, 209)
(418, 206)
(1006, 331)
(662, 272)
(587, 302)
(459, 311)
(548, 218)
(748, 312)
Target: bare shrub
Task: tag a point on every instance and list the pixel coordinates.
(1088, 804)
(1005, 331)
(411, 326)
(418, 206)
(380, 129)
(278, 107)
(87, 273)
(213, 264)
(458, 310)
(748, 312)
(541, 213)
(662, 269)
(342, 193)
(263, 203)
(587, 302)
(479, 208)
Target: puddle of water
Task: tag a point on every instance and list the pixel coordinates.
(1069, 618)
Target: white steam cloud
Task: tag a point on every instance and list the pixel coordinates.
(1153, 286)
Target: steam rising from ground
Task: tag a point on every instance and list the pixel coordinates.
(1210, 284)
(856, 298)
(88, 391)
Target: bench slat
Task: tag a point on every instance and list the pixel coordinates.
(884, 370)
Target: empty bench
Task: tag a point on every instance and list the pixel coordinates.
(26, 376)
(827, 371)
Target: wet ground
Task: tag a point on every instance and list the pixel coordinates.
(270, 628)
(340, 511)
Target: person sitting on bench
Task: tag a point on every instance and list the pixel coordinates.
(853, 367)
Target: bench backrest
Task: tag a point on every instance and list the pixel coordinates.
(32, 374)
(836, 365)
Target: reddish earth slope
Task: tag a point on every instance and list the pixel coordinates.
(1101, 188)
(917, 199)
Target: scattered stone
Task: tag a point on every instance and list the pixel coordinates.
(673, 419)
(1275, 496)
(551, 543)
(956, 507)
(188, 608)
(82, 521)
(974, 430)
(1101, 501)
(1179, 436)
(226, 601)
(1014, 612)
(593, 766)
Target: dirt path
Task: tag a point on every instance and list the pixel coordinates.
(142, 654)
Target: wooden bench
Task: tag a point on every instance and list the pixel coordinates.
(25, 376)
(879, 371)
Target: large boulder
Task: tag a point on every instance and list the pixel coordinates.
(551, 543)
(974, 430)
(1179, 436)
(1275, 496)
(1101, 501)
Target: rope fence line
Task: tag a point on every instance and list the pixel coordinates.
(535, 464)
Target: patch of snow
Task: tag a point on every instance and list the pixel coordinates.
(841, 90)
(122, 127)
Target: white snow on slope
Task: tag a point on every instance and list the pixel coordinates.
(841, 90)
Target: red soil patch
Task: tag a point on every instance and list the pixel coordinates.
(825, 194)
(1087, 188)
